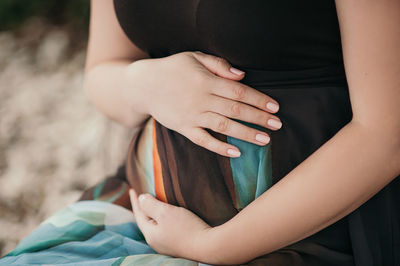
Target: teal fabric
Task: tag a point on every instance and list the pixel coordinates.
(89, 233)
(252, 172)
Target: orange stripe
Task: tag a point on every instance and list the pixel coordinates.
(158, 179)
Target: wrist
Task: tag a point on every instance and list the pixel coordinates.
(221, 246)
(208, 247)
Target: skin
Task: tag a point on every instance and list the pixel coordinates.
(186, 92)
(355, 164)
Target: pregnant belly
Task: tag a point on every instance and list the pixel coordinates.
(314, 105)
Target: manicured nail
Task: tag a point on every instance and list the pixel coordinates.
(236, 71)
(233, 152)
(275, 123)
(273, 107)
(262, 138)
(141, 197)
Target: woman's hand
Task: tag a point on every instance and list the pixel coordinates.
(190, 91)
(172, 230)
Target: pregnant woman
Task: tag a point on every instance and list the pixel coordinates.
(268, 133)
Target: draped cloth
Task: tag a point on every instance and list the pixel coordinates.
(100, 229)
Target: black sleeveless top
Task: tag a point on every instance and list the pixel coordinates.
(290, 50)
(260, 34)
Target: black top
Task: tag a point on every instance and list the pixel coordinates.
(259, 34)
(290, 50)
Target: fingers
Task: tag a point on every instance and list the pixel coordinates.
(218, 65)
(244, 112)
(240, 92)
(143, 221)
(226, 126)
(152, 207)
(202, 138)
(230, 88)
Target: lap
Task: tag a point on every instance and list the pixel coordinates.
(89, 233)
(100, 229)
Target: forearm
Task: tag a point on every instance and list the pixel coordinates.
(336, 179)
(105, 84)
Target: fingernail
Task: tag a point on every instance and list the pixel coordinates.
(233, 152)
(141, 197)
(236, 71)
(275, 123)
(273, 107)
(262, 138)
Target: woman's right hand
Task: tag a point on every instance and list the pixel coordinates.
(190, 91)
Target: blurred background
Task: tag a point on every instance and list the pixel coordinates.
(53, 143)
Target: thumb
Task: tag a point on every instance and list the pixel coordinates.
(152, 207)
(219, 66)
(142, 219)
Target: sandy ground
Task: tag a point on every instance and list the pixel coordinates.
(53, 143)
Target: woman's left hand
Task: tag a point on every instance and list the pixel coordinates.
(171, 230)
